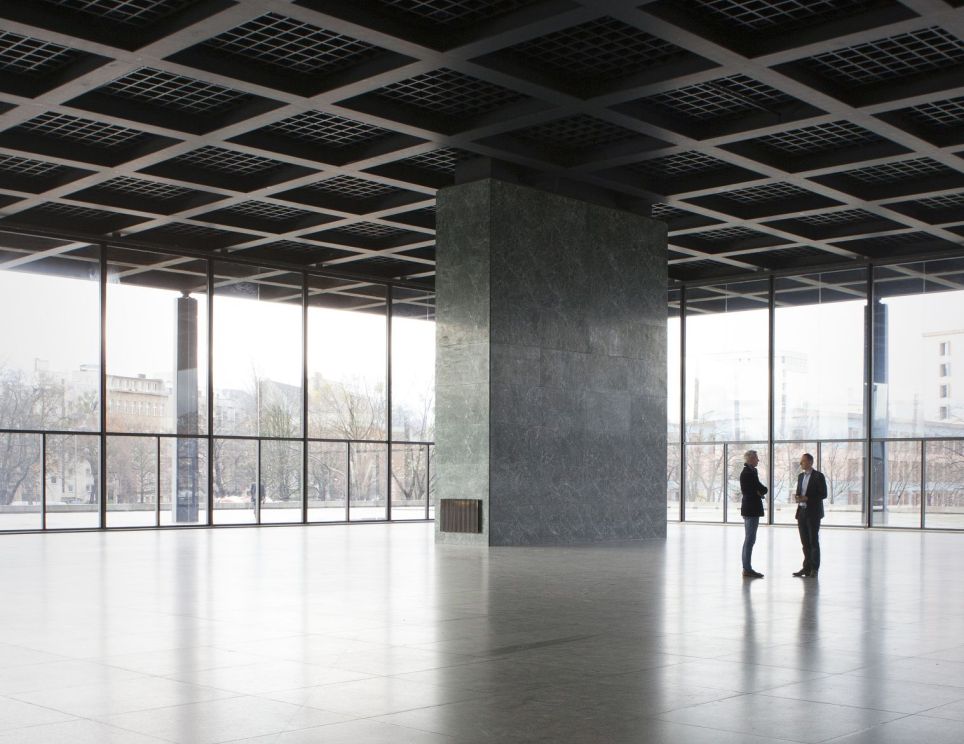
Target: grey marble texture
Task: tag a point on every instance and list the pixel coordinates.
(551, 371)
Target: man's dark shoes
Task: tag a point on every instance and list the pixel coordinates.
(812, 574)
(802, 573)
(751, 574)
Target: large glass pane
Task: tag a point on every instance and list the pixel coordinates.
(281, 470)
(73, 481)
(413, 365)
(819, 355)
(409, 481)
(786, 468)
(327, 481)
(735, 460)
(346, 359)
(50, 337)
(156, 343)
(673, 329)
(919, 350)
(673, 463)
(431, 481)
(368, 482)
(132, 465)
(704, 482)
(897, 475)
(21, 474)
(944, 471)
(184, 481)
(843, 465)
(235, 483)
(257, 351)
(727, 367)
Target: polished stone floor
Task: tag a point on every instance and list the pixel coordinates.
(371, 633)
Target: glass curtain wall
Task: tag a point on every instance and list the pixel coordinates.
(726, 394)
(867, 376)
(143, 389)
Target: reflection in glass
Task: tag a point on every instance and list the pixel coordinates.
(49, 352)
(919, 350)
(368, 481)
(327, 481)
(673, 331)
(280, 481)
(156, 343)
(897, 467)
(132, 466)
(257, 351)
(819, 355)
(235, 483)
(727, 364)
(72, 481)
(704, 482)
(786, 468)
(843, 465)
(673, 463)
(735, 461)
(413, 365)
(409, 481)
(944, 471)
(21, 497)
(346, 359)
(184, 479)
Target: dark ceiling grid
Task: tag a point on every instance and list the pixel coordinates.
(882, 134)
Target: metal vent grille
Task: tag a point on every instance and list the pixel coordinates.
(721, 98)
(452, 12)
(945, 201)
(598, 49)
(29, 168)
(766, 193)
(900, 171)
(147, 189)
(460, 515)
(371, 230)
(333, 131)
(441, 161)
(60, 212)
(576, 132)
(681, 164)
(843, 217)
(293, 45)
(727, 235)
(451, 93)
(174, 92)
(835, 135)
(777, 15)
(939, 114)
(266, 211)
(22, 55)
(226, 161)
(137, 13)
(888, 59)
(666, 212)
(349, 187)
(84, 131)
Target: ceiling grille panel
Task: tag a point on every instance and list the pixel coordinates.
(22, 55)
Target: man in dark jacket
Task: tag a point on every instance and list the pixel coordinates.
(811, 491)
(751, 509)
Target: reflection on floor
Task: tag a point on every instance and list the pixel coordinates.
(373, 634)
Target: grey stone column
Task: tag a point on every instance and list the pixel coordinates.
(551, 366)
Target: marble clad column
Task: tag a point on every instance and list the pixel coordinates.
(551, 366)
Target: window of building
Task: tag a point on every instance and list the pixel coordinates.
(945, 370)
(944, 413)
(945, 391)
(945, 347)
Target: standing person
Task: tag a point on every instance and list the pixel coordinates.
(751, 509)
(811, 491)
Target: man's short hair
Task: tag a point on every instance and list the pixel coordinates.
(748, 454)
(809, 457)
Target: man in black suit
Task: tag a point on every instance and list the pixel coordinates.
(751, 509)
(811, 491)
